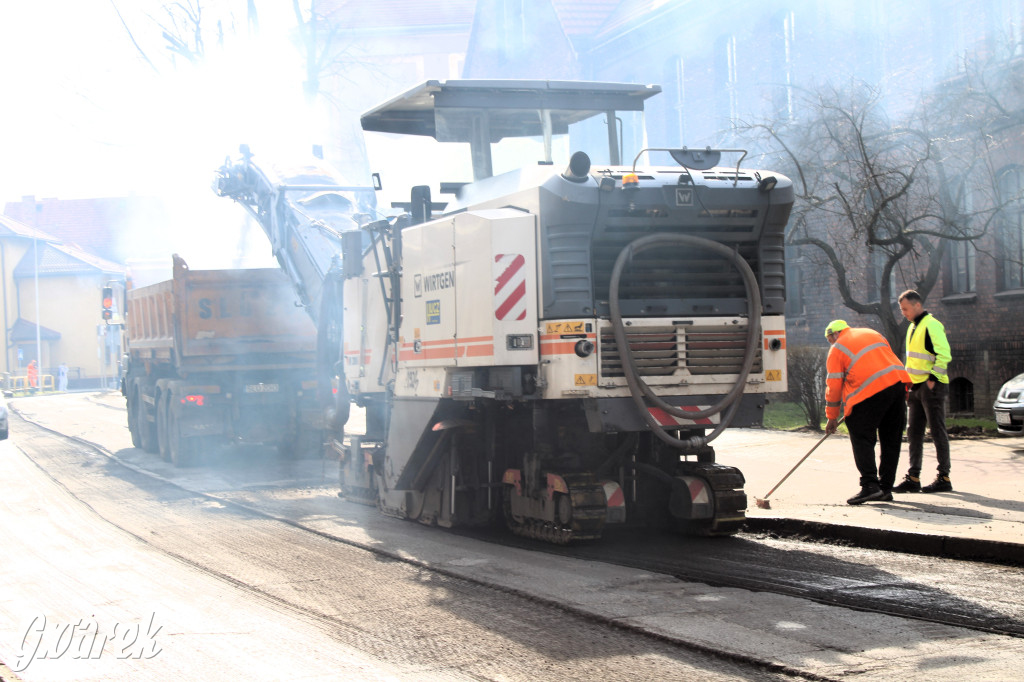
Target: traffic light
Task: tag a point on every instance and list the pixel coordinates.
(108, 303)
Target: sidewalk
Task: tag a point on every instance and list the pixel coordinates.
(983, 518)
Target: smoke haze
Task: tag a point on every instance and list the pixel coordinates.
(86, 115)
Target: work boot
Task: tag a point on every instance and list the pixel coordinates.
(867, 494)
(910, 484)
(942, 484)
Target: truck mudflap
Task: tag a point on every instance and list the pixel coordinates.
(708, 499)
(570, 507)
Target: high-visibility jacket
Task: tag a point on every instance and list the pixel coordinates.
(859, 365)
(928, 351)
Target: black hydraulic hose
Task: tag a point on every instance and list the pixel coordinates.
(638, 388)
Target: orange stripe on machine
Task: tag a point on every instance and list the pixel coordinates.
(472, 346)
(352, 356)
(555, 344)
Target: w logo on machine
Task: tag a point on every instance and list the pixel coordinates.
(509, 286)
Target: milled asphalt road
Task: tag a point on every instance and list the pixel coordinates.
(799, 636)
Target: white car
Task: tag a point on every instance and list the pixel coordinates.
(1009, 407)
(3, 417)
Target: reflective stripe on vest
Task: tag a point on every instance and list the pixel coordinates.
(867, 382)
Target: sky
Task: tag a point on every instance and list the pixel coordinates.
(85, 116)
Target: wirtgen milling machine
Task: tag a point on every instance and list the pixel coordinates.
(557, 345)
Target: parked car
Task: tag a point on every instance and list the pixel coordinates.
(3, 417)
(1009, 407)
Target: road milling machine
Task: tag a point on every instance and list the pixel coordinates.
(556, 346)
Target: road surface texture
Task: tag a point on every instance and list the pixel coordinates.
(221, 593)
(392, 599)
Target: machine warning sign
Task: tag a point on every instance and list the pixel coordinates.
(586, 380)
(773, 375)
(433, 312)
(684, 196)
(565, 327)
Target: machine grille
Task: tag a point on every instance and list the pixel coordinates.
(678, 349)
(672, 273)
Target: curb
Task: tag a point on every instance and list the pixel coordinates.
(970, 549)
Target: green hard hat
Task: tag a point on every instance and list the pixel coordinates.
(835, 326)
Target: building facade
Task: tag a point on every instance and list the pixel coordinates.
(51, 305)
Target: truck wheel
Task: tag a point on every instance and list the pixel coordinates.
(163, 408)
(147, 429)
(133, 419)
(183, 451)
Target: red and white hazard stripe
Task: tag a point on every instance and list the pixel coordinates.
(509, 286)
(665, 419)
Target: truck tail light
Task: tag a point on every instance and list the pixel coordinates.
(196, 400)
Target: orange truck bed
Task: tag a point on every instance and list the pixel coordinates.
(219, 318)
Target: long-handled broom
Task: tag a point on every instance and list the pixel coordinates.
(762, 502)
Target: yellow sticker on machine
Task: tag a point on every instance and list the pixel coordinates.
(586, 380)
(773, 375)
(565, 327)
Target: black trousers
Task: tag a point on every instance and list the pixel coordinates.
(878, 419)
(927, 406)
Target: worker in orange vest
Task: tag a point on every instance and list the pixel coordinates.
(868, 384)
(32, 374)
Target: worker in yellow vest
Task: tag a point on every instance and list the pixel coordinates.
(928, 358)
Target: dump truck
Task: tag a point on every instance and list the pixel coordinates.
(557, 345)
(220, 356)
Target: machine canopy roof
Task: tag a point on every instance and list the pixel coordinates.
(490, 110)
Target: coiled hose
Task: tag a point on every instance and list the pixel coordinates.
(638, 388)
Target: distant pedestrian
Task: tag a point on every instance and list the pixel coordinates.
(928, 356)
(62, 378)
(867, 383)
(32, 374)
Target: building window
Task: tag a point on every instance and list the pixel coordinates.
(961, 396)
(1010, 18)
(782, 62)
(456, 63)
(877, 259)
(725, 79)
(961, 267)
(675, 85)
(1011, 227)
(796, 265)
(962, 253)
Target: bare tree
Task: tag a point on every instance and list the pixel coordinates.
(878, 203)
(326, 55)
(187, 27)
(316, 35)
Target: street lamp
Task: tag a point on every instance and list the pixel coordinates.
(39, 345)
